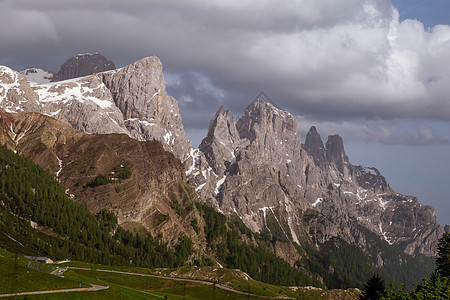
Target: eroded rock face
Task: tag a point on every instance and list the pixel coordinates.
(82, 65)
(138, 91)
(314, 147)
(84, 103)
(221, 140)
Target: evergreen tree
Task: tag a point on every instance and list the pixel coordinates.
(374, 289)
(443, 256)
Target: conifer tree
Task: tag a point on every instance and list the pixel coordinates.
(374, 289)
(443, 256)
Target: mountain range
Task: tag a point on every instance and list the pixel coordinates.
(254, 169)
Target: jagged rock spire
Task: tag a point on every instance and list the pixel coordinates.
(335, 152)
(314, 146)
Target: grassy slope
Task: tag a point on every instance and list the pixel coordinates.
(137, 287)
(20, 278)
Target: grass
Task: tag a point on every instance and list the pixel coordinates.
(20, 278)
(124, 286)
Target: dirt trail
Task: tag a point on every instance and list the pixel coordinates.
(95, 287)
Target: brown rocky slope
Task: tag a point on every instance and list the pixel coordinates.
(143, 181)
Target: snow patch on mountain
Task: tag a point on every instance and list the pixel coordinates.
(70, 90)
(36, 75)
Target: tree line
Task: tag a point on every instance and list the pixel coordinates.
(435, 287)
(27, 192)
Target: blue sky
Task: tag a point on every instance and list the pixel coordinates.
(429, 12)
(376, 72)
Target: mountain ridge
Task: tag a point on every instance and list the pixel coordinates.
(255, 169)
(133, 100)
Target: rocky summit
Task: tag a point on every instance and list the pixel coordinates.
(82, 65)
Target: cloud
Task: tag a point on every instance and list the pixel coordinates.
(24, 27)
(423, 133)
(197, 97)
(341, 61)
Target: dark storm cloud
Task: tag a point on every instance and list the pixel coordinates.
(347, 60)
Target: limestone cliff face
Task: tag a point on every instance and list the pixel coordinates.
(272, 134)
(138, 91)
(363, 194)
(222, 136)
(314, 147)
(144, 198)
(130, 100)
(249, 166)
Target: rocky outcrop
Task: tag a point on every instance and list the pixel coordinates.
(82, 65)
(363, 194)
(335, 152)
(314, 147)
(138, 91)
(222, 136)
(247, 171)
(84, 103)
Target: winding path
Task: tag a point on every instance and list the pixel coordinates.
(95, 287)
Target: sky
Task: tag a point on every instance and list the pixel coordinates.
(376, 72)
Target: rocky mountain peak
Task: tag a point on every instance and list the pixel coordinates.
(221, 141)
(130, 100)
(135, 86)
(314, 146)
(261, 152)
(271, 132)
(16, 94)
(335, 152)
(83, 65)
(139, 92)
(261, 118)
